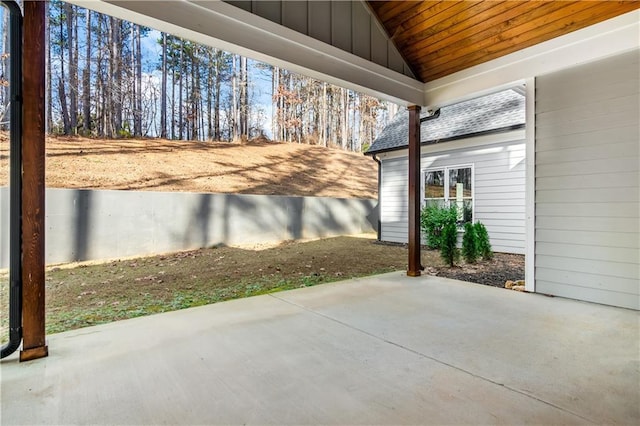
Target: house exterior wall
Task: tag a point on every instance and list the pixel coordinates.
(587, 197)
(499, 187)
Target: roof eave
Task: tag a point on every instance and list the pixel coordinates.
(453, 138)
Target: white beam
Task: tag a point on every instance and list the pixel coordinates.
(610, 37)
(221, 25)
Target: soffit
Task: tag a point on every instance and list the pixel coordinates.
(439, 38)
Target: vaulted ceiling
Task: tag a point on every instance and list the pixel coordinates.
(438, 38)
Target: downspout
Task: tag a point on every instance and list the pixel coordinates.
(432, 115)
(379, 228)
(15, 181)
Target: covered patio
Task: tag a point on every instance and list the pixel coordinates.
(387, 349)
(382, 350)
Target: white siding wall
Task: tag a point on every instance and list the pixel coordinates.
(588, 182)
(499, 179)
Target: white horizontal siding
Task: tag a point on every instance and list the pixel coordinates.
(499, 186)
(395, 231)
(393, 200)
(588, 182)
(610, 150)
(504, 176)
(589, 294)
(625, 196)
(507, 249)
(603, 180)
(561, 263)
(503, 196)
(496, 202)
(614, 135)
(595, 209)
(597, 224)
(591, 238)
(500, 210)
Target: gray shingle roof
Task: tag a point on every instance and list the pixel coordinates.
(497, 112)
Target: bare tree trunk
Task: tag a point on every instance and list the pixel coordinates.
(86, 79)
(73, 68)
(62, 94)
(129, 87)
(244, 104)
(49, 121)
(234, 102)
(195, 93)
(345, 117)
(137, 114)
(323, 131)
(182, 72)
(163, 94)
(110, 88)
(101, 94)
(216, 107)
(210, 82)
(63, 105)
(173, 104)
(274, 103)
(115, 88)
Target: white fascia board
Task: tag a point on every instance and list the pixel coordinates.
(460, 144)
(611, 37)
(221, 25)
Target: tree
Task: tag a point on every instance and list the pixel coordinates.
(86, 78)
(448, 251)
(163, 93)
(72, 46)
(470, 243)
(101, 88)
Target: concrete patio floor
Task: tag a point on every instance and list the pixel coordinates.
(381, 350)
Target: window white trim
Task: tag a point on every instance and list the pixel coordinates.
(446, 187)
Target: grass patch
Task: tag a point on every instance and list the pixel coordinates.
(86, 295)
(94, 294)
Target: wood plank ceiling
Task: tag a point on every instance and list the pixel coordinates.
(438, 38)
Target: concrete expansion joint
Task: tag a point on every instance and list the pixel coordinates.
(423, 355)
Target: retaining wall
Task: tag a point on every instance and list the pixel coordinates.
(105, 224)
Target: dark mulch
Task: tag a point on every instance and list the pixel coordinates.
(502, 268)
(495, 272)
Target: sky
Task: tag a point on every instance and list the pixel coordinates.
(261, 83)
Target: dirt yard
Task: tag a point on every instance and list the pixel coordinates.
(163, 165)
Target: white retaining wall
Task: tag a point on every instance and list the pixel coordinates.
(104, 224)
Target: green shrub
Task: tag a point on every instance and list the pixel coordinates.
(483, 244)
(433, 219)
(470, 246)
(449, 239)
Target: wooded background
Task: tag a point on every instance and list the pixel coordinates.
(102, 83)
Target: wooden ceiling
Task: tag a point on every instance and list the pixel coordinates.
(438, 38)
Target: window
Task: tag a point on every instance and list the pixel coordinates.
(450, 185)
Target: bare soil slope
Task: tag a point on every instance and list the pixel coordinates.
(163, 165)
